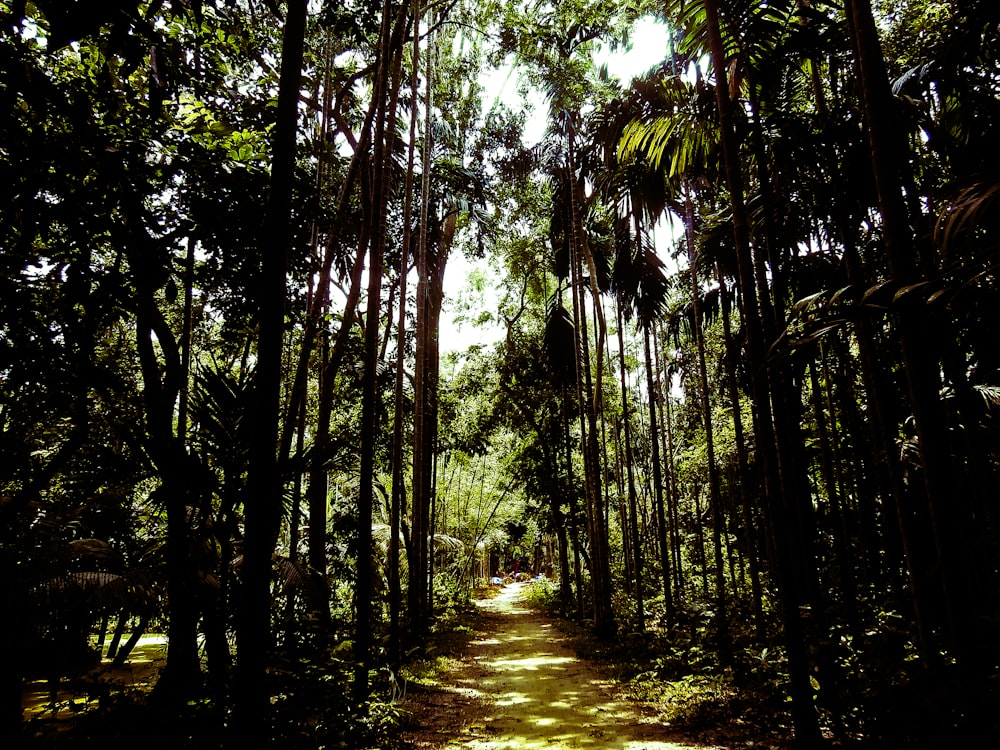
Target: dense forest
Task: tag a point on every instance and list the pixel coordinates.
(740, 412)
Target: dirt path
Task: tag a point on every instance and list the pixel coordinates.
(519, 686)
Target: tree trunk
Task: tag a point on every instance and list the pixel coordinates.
(804, 718)
(122, 654)
(592, 401)
(573, 510)
(398, 500)
(387, 94)
(921, 365)
(724, 640)
(658, 501)
(841, 537)
(262, 509)
(672, 498)
(433, 301)
(744, 480)
(633, 515)
(181, 676)
(422, 480)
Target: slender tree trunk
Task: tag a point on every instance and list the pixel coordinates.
(724, 640)
(292, 625)
(672, 498)
(922, 368)
(122, 654)
(182, 675)
(386, 93)
(573, 511)
(318, 305)
(744, 480)
(318, 490)
(398, 506)
(262, 508)
(804, 718)
(116, 636)
(422, 480)
(434, 301)
(841, 537)
(579, 337)
(658, 501)
(633, 527)
(600, 552)
(186, 336)
(588, 433)
(621, 506)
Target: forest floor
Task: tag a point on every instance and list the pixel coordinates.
(517, 685)
(137, 675)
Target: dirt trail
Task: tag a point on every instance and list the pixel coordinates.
(521, 687)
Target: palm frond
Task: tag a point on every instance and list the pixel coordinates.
(676, 131)
(990, 395)
(640, 278)
(560, 229)
(966, 211)
(292, 575)
(92, 549)
(106, 592)
(382, 535)
(448, 543)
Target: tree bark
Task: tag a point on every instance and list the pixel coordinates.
(658, 500)
(723, 637)
(920, 362)
(422, 480)
(387, 94)
(592, 402)
(633, 514)
(262, 508)
(742, 464)
(398, 501)
(804, 718)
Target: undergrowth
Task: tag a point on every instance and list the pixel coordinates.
(678, 675)
(309, 710)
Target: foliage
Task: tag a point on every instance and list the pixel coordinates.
(777, 481)
(541, 595)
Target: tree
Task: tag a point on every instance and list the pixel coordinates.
(262, 511)
(161, 385)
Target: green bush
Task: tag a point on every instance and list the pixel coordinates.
(541, 595)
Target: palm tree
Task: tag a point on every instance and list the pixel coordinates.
(388, 78)
(262, 512)
(921, 363)
(398, 501)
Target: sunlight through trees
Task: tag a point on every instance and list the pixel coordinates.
(726, 382)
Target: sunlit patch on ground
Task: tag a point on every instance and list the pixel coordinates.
(487, 642)
(75, 693)
(543, 661)
(535, 693)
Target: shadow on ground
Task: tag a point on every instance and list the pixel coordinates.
(520, 686)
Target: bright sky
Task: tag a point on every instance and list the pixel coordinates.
(649, 44)
(649, 47)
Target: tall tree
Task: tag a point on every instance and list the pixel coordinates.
(262, 511)
(804, 715)
(423, 429)
(714, 488)
(398, 501)
(922, 366)
(387, 95)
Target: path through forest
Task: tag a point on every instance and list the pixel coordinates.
(519, 686)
